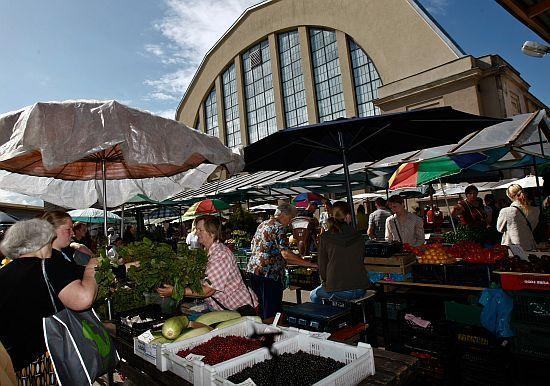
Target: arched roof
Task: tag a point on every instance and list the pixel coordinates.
(398, 35)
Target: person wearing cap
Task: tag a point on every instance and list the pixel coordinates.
(24, 295)
(270, 254)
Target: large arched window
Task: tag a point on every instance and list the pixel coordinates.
(258, 87)
(231, 108)
(211, 114)
(327, 76)
(292, 79)
(365, 79)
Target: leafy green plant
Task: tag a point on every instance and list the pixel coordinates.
(242, 220)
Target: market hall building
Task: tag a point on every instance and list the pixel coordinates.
(287, 63)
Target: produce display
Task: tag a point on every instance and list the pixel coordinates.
(472, 252)
(465, 233)
(431, 254)
(220, 349)
(535, 264)
(104, 277)
(289, 369)
(466, 250)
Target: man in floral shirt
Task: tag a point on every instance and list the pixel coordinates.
(270, 254)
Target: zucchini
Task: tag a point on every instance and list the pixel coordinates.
(172, 328)
(217, 316)
(193, 332)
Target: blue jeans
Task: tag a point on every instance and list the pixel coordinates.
(320, 293)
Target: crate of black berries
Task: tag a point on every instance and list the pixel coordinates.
(301, 360)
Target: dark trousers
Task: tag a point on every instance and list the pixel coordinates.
(270, 295)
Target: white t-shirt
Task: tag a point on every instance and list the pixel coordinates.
(192, 240)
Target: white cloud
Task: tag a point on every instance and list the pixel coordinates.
(170, 113)
(190, 27)
(436, 7)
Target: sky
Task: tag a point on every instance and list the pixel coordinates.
(144, 53)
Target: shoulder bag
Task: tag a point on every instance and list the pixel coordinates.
(79, 345)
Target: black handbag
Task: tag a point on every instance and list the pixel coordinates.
(79, 345)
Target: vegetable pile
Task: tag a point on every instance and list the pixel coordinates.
(535, 264)
(289, 369)
(220, 349)
(158, 265)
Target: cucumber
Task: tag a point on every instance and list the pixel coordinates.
(217, 316)
(171, 329)
(193, 332)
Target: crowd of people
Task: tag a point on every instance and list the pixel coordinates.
(53, 245)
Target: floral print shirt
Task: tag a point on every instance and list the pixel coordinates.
(268, 242)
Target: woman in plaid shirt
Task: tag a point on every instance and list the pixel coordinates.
(224, 287)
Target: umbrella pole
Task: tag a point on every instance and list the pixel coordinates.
(348, 184)
(104, 182)
(122, 223)
(447, 203)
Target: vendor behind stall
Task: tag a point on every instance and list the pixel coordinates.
(403, 226)
(224, 287)
(341, 255)
(471, 211)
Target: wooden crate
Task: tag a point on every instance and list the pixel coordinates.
(401, 263)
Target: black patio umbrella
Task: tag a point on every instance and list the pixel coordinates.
(7, 219)
(346, 141)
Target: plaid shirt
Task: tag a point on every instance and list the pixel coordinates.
(225, 278)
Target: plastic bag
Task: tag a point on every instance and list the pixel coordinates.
(497, 311)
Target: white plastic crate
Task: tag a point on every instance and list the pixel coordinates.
(359, 360)
(147, 351)
(167, 358)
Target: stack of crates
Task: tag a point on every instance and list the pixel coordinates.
(242, 258)
(531, 322)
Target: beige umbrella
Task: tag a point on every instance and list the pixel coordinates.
(91, 141)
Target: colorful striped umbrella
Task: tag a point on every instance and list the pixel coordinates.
(208, 206)
(302, 200)
(412, 174)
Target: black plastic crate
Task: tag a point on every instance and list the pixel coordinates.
(531, 307)
(430, 273)
(128, 333)
(305, 278)
(532, 341)
(394, 308)
(436, 339)
(469, 337)
(382, 248)
(475, 275)
(484, 367)
(317, 317)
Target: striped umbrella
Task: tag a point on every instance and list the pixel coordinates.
(413, 174)
(208, 206)
(302, 200)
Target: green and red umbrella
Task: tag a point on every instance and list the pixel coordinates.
(204, 207)
(413, 174)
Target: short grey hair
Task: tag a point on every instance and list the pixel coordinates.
(26, 236)
(287, 209)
